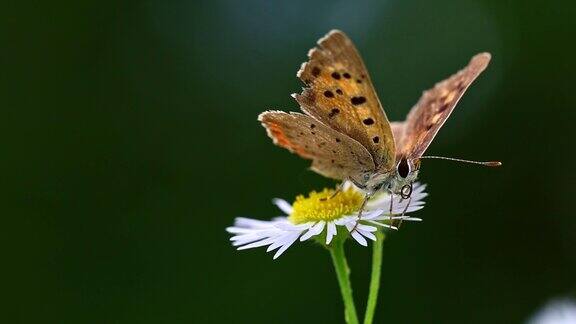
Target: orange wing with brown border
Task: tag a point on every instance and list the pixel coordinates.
(341, 95)
(334, 155)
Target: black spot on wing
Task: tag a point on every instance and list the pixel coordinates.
(334, 112)
(328, 94)
(357, 100)
(368, 121)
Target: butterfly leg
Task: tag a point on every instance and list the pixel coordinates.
(337, 191)
(390, 214)
(366, 198)
(404, 211)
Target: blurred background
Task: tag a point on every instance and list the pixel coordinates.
(129, 142)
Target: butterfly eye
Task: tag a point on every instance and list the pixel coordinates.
(406, 191)
(403, 168)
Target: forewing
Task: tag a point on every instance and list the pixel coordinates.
(435, 106)
(334, 155)
(341, 95)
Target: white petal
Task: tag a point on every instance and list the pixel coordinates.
(258, 233)
(406, 218)
(413, 219)
(382, 224)
(366, 228)
(238, 230)
(283, 205)
(264, 242)
(245, 239)
(359, 238)
(346, 220)
(240, 237)
(367, 234)
(286, 245)
(313, 231)
(413, 208)
(400, 207)
(417, 188)
(287, 226)
(371, 214)
(330, 232)
(253, 238)
(381, 201)
(251, 223)
(282, 239)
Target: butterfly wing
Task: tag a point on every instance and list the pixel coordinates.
(334, 155)
(341, 95)
(398, 131)
(434, 107)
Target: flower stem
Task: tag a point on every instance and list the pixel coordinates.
(343, 274)
(375, 277)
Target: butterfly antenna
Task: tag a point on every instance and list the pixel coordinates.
(484, 163)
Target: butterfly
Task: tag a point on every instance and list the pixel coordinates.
(344, 130)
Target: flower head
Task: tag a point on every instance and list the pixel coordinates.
(320, 214)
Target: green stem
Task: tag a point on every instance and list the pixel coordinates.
(343, 274)
(375, 277)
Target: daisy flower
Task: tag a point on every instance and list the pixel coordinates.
(322, 216)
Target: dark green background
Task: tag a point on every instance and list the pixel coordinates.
(129, 142)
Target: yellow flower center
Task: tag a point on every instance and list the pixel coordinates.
(321, 206)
